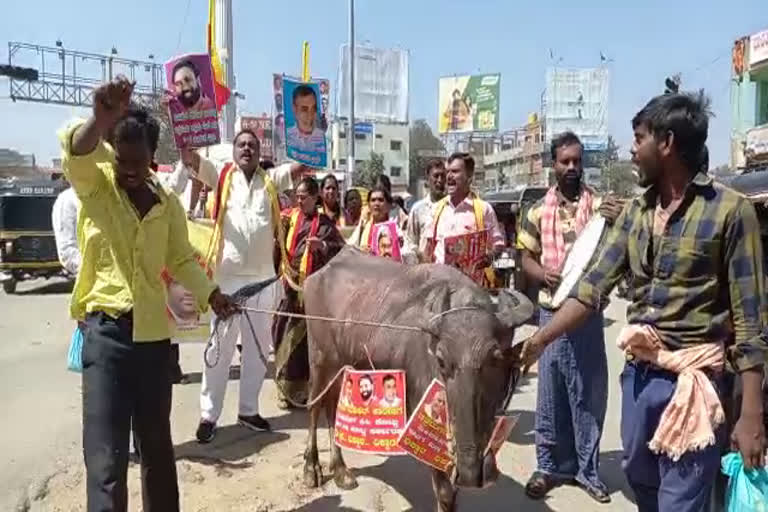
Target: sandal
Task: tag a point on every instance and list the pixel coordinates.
(539, 485)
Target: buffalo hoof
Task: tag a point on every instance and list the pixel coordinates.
(313, 475)
(344, 479)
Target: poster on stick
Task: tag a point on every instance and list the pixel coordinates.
(192, 105)
(428, 436)
(371, 411)
(464, 251)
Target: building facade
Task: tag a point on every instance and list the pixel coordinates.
(749, 102)
(391, 140)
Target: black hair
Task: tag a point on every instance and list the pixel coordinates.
(564, 139)
(388, 377)
(303, 90)
(310, 184)
(185, 63)
(399, 201)
(137, 125)
(267, 164)
(366, 377)
(435, 163)
(384, 181)
(331, 177)
(469, 162)
(249, 132)
(685, 115)
(347, 194)
(384, 190)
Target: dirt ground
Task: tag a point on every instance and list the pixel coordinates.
(241, 470)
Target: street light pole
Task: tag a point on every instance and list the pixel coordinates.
(351, 125)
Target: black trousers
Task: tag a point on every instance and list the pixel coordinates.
(124, 383)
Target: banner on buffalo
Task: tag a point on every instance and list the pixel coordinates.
(504, 426)
(428, 436)
(370, 414)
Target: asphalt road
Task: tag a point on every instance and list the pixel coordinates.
(41, 449)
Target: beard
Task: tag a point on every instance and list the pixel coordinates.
(190, 98)
(365, 395)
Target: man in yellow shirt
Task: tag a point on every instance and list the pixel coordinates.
(131, 228)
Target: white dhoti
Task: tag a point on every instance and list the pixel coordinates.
(237, 330)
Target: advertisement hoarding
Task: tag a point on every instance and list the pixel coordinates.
(468, 103)
(576, 99)
(262, 127)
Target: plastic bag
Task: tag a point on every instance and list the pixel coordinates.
(75, 355)
(747, 490)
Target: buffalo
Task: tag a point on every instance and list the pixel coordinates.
(465, 340)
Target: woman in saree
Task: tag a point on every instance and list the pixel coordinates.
(329, 198)
(380, 205)
(311, 241)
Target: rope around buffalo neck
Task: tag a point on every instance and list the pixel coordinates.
(245, 310)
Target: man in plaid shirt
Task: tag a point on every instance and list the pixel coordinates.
(694, 252)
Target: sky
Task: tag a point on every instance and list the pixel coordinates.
(646, 41)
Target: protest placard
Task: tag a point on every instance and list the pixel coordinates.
(464, 251)
(192, 106)
(303, 122)
(371, 411)
(428, 436)
(187, 322)
(385, 241)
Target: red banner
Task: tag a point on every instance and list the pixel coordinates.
(500, 434)
(464, 251)
(371, 411)
(427, 435)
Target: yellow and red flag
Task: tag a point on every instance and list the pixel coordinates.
(219, 78)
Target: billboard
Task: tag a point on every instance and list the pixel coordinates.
(381, 84)
(576, 99)
(262, 127)
(758, 48)
(468, 103)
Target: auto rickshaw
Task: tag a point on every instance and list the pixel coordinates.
(27, 243)
(511, 207)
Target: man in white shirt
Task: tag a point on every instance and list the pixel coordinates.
(246, 256)
(64, 219)
(420, 217)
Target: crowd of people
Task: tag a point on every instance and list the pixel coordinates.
(690, 247)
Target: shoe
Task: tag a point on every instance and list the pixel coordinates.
(599, 495)
(206, 431)
(539, 485)
(254, 422)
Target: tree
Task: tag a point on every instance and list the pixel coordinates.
(367, 172)
(421, 138)
(617, 175)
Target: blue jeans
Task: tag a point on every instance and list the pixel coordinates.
(571, 403)
(659, 483)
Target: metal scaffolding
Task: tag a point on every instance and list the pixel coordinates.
(69, 77)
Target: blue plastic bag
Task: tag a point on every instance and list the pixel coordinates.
(75, 355)
(747, 490)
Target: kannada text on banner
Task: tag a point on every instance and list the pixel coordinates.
(192, 107)
(427, 435)
(371, 411)
(464, 251)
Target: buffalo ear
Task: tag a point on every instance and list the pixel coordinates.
(437, 301)
(509, 355)
(433, 329)
(513, 308)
